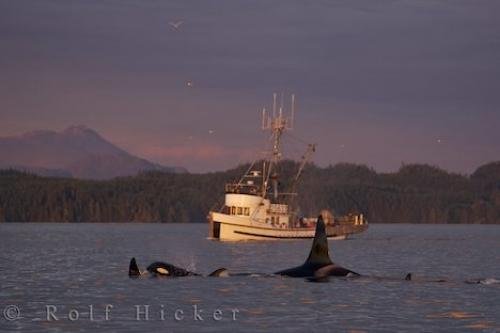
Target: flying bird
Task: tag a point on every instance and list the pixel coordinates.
(176, 25)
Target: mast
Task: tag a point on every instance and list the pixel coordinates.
(277, 124)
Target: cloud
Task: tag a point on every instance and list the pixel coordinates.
(176, 152)
(427, 66)
(198, 157)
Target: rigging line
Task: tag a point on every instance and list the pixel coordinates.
(294, 150)
(246, 173)
(269, 139)
(296, 138)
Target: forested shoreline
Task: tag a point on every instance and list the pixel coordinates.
(415, 194)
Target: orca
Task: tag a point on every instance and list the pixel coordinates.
(158, 269)
(318, 266)
(163, 269)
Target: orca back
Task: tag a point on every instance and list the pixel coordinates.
(165, 269)
(221, 272)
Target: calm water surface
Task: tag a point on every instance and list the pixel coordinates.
(70, 267)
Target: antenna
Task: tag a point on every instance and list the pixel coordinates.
(281, 107)
(274, 105)
(281, 118)
(263, 118)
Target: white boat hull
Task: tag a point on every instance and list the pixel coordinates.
(230, 228)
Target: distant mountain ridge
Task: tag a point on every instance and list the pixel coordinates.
(416, 193)
(77, 151)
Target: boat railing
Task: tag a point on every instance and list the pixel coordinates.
(278, 209)
(233, 188)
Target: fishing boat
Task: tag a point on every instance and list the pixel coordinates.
(257, 207)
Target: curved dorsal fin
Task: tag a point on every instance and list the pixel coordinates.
(319, 250)
(133, 269)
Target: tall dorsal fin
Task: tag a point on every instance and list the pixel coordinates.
(133, 269)
(319, 249)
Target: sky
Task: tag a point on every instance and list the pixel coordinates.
(380, 83)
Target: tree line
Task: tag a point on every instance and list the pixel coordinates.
(416, 193)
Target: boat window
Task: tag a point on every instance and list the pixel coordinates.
(246, 211)
(233, 210)
(240, 211)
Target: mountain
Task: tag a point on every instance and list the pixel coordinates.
(77, 151)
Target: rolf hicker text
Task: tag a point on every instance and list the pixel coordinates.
(139, 312)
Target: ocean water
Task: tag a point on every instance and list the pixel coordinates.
(67, 277)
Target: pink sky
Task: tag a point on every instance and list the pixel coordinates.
(378, 83)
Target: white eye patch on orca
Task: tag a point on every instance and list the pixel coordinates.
(162, 271)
